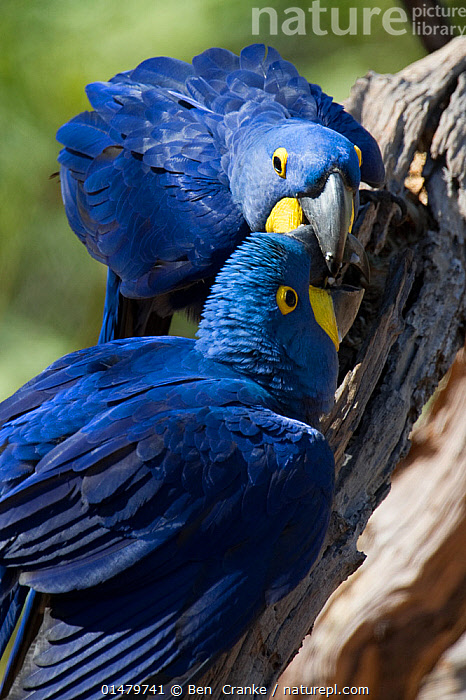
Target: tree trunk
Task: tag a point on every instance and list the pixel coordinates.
(410, 327)
(387, 626)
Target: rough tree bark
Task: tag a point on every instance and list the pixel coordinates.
(387, 625)
(410, 327)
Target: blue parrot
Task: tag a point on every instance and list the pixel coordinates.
(177, 163)
(160, 492)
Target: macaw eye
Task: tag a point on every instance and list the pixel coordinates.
(279, 159)
(359, 154)
(287, 299)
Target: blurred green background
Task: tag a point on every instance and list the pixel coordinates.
(51, 291)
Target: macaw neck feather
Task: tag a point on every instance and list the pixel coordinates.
(298, 391)
(291, 357)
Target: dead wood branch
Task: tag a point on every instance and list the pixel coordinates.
(387, 626)
(410, 327)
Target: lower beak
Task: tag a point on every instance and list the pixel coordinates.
(335, 310)
(355, 254)
(346, 302)
(331, 216)
(335, 307)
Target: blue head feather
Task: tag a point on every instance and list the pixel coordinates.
(153, 491)
(173, 168)
(242, 326)
(314, 151)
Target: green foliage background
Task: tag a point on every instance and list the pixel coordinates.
(51, 291)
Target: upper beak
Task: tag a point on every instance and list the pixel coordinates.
(353, 251)
(331, 215)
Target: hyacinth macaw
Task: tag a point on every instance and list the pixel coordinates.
(160, 492)
(177, 163)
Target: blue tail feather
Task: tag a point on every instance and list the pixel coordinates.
(110, 317)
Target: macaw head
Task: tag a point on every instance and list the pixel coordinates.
(299, 172)
(270, 317)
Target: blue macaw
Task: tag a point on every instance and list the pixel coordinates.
(160, 492)
(178, 163)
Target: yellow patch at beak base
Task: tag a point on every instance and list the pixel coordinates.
(350, 228)
(324, 314)
(359, 154)
(285, 216)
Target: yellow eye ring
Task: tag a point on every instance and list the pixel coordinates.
(287, 299)
(279, 158)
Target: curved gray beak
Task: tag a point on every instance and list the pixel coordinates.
(346, 300)
(355, 254)
(331, 216)
(346, 303)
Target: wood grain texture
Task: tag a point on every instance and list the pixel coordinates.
(410, 327)
(387, 626)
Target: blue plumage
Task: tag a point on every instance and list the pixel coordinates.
(175, 166)
(160, 492)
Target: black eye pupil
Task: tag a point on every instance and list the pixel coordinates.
(277, 164)
(290, 298)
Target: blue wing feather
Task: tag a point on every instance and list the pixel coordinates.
(110, 315)
(146, 176)
(146, 473)
(12, 597)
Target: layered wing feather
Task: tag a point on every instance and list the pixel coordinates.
(161, 514)
(145, 177)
